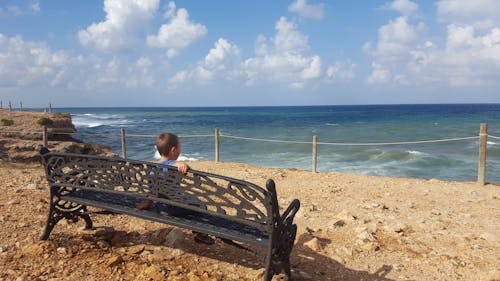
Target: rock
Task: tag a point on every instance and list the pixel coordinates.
(135, 250)
(174, 237)
(193, 277)
(154, 272)
(397, 227)
(102, 232)
(14, 202)
(339, 223)
(256, 274)
(62, 251)
(39, 249)
(313, 244)
(114, 260)
(345, 216)
(370, 247)
(344, 251)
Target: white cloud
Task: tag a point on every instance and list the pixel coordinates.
(305, 10)
(405, 7)
(33, 64)
(25, 63)
(178, 34)
(379, 75)
(341, 71)
(282, 59)
(170, 12)
(123, 19)
(403, 55)
(469, 12)
(221, 63)
(30, 8)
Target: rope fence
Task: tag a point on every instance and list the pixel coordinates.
(482, 137)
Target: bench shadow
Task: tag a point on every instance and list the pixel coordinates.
(306, 263)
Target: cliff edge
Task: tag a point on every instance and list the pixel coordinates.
(21, 136)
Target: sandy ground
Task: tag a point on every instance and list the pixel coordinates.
(351, 227)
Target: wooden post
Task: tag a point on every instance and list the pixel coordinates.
(50, 107)
(483, 138)
(124, 145)
(217, 145)
(314, 153)
(21, 104)
(1, 104)
(10, 105)
(45, 137)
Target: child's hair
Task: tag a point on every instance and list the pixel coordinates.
(165, 142)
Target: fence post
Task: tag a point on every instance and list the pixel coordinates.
(314, 153)
(45, 137)
(217, 145)
(483, 138)
(10, 106)
(50, 107)
(21, 104)
(124, 144)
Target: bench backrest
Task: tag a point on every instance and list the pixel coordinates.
(199, 191)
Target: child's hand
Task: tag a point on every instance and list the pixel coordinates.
(182, 167)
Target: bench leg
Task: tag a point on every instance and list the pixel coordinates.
(278, 259)
(52, 219)
(60, 209)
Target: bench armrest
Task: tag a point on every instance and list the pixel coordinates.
(290, 212)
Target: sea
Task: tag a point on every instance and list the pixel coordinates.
(382, 140)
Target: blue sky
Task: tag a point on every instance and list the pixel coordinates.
(232, 53)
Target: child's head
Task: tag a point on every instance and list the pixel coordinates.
(168, 145)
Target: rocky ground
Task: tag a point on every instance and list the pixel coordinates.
(351, 227)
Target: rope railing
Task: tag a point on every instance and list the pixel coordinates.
(351, 143)
(483, 135)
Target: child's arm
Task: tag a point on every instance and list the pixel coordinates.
(182, 167)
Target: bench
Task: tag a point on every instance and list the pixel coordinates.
(228, 208)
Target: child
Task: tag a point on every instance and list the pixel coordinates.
(169, 147)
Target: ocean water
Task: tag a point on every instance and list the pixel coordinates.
(347, 125)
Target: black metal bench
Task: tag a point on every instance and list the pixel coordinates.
(213, 204)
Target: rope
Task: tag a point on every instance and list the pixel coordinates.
(350, 144)
(396, 143)
(266, 140)
(494, 137)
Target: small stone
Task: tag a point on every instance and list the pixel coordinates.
(193, 277)
(62, 251)
(135, 250)
(345, 216)
(14, 202)
(370, 247)
(313, 244)
(339, 223)
(174, 237)
(114, 260)
(154, 272)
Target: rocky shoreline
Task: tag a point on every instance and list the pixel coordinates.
(21, 136)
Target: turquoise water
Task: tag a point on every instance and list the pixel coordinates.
(455, 160)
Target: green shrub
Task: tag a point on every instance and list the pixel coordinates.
(7, 122)
(44, 121)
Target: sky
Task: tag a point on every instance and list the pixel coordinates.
(116, 53)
